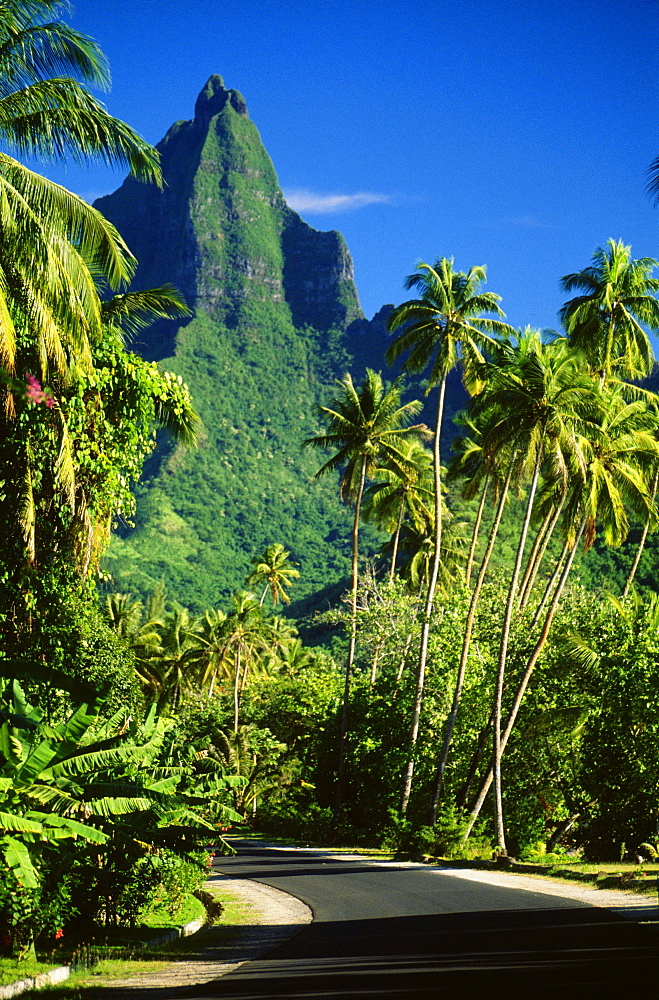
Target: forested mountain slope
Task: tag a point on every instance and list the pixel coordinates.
(276, 320)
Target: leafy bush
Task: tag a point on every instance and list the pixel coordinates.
(177, 877)
(445, 840)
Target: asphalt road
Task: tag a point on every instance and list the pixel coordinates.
(388, 933)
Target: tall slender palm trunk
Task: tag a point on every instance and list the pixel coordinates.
(551, 582)
(521, 690)
(477, 528)
(430, 600)
(476, 758)
(503, 654)
(340, 777)
(525, 595)
(394, 554)
(236, 693)
(464, 655)
(641, 544)
(530, 563)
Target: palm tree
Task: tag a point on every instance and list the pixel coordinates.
(607, 321)
(401, 492)
(541, 406)
(367, 426)
(247, 636)
(451, 720)
(179, 636)
(53, 246)
(485, 454)
(275, 569)
(440, 329)
(126, 616)
(641, 544)
(618, 448)
(208, 654)
(468, 464)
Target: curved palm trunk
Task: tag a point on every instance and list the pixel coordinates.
(477, 527)
(551, 582)
(394, 554)
(503, 654)
(464, 656)
(408, 643)
(533, 555)
(476, 758)
(236, 693)
(524, 599)
(340, 777)
(430, 600)
(530, 666)
(641, 544)
(609, 345)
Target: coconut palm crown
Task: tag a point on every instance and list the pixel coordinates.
(608, 321)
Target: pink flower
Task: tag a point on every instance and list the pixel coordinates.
(58, 934)
(36, 394)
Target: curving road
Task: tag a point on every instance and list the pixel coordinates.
(387, 932)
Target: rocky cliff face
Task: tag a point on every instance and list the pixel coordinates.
(221, 231)
(272, 299)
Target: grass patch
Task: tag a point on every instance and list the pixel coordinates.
(158, 917)
(234, 910)
(83, 985)
(11, 969)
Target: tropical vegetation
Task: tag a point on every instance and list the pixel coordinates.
(467, 689)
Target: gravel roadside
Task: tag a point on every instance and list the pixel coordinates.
(274, 918)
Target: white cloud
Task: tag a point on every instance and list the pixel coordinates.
(311, 203)
(528, 222)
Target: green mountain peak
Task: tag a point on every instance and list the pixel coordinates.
(273, 300)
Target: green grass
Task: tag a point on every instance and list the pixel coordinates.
(158, 917)
(11, 969)
(83, 985)
(234, 910)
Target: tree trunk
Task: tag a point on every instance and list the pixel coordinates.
(551, 582)
(535, 548)
(476, 758)
(340, 777)
(236, 693)
(474, 537)
(561, 829)
(530, 666)
(430, 600)
(394, 554)
(641, 544)
(403, 659)
(524, 599)
(466, 643)
(503, 654)
(374, 661)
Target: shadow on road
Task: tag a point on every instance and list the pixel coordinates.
(580, 954)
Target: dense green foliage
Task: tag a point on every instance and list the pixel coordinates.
(273, 301)
(465, 657)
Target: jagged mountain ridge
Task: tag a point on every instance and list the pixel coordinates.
(276, 320)
(221, 231)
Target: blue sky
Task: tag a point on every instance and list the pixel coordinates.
(510, 133)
